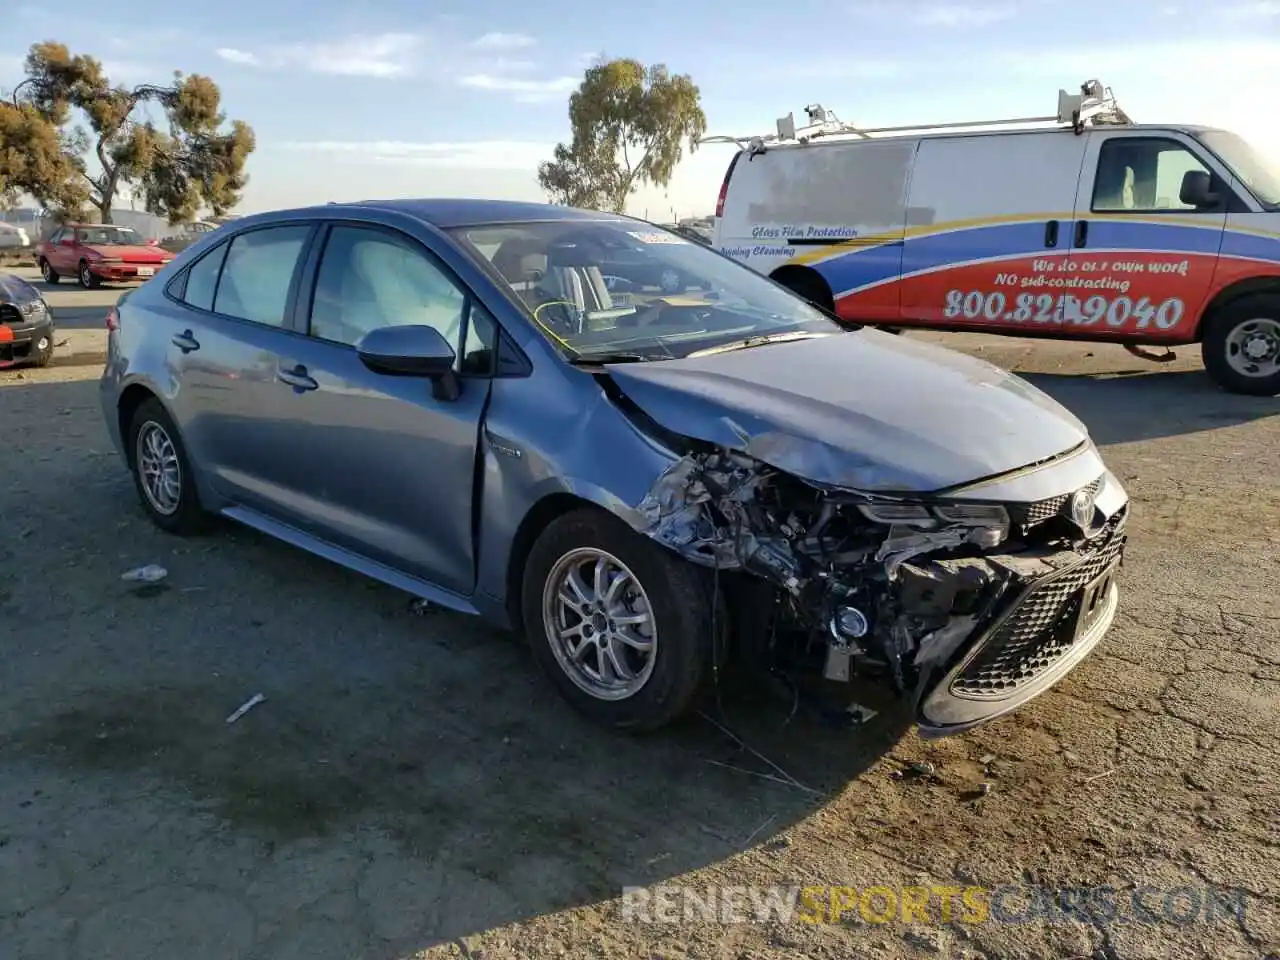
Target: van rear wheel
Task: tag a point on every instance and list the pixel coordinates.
(1241, 346)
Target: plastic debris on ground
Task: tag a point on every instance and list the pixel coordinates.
(248, 705)
(151, 573)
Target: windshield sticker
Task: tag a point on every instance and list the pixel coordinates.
(657, 237)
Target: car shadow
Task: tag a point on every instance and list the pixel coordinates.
(493, 801)
(1125, 406)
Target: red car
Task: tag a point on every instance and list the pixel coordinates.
(96, 253)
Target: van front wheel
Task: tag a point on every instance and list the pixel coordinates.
(1241, 346)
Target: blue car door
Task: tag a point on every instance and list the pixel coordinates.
(232, 316)
(378, 464)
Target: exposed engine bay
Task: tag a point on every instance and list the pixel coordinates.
(982, 597)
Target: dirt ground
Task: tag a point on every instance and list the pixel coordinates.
(411, 788)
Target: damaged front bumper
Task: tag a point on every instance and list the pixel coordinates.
(967, 609)
(1060, 605)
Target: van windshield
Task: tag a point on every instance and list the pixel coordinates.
(1258, 172)
(627, 290)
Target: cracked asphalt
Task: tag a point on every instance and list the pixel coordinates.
(411, 788)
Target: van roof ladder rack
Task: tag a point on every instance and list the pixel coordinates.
(1094, 104)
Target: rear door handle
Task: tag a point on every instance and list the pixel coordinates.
(1051, 233)
(1082, 232)
(297, 378)
(186, 342)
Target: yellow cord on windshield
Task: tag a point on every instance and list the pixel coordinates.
(551, 333)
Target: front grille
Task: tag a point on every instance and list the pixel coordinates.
(1037, 632)
(10, 314)
(1031, 514)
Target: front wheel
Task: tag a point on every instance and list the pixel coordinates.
(1241, 346)
(42, 350)
(620, 625)
(87, 279)
(50, 275)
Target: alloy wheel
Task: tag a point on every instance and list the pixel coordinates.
(159, 469)
(600, 624)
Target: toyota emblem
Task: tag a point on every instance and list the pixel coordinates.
(1082, 509)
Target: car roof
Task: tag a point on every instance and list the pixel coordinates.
(446, 213)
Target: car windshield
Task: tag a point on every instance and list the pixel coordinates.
(110, 236)
(1258, 172)
(623, 289)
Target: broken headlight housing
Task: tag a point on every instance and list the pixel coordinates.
(936, 516)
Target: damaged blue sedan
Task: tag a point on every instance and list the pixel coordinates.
(447, 396)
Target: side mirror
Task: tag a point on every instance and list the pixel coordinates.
(153, 242)
(66, 242)
(1197, 190)
(412, 351)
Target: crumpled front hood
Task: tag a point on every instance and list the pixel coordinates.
(864, 410)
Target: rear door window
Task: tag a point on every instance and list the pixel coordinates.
(259, 272)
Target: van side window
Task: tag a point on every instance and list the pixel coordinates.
(1141, 175)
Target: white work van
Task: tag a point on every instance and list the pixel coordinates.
(1082, 225)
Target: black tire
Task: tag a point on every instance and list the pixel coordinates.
(46, 270)
(679, 602)
(189, 517)
(1217, 348)
(86, 277)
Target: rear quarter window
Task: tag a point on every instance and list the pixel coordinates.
(202, 279)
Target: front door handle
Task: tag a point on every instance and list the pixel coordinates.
(185, 342)
(297, 378)
(1051, 233)
(1082, 232)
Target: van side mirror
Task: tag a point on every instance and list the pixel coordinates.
(1197, 190)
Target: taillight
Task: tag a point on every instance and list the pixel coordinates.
(724, 186)
(113, 320)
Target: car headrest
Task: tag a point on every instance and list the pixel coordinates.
(516, 259)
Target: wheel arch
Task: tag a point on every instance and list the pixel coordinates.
(131, 398)
(806, 282)
(540, 516)
(1230, 294)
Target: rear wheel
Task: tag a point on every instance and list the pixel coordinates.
(162, 473)
(620, 625)
(50, 275)
(1241, 346)
(670, 281)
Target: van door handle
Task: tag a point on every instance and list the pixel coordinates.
(1051, 233)
(297, 378)
(185, 342)
(1082, 232)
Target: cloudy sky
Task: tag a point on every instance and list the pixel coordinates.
(394, 98)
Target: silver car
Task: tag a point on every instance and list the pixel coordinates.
(443, 395)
